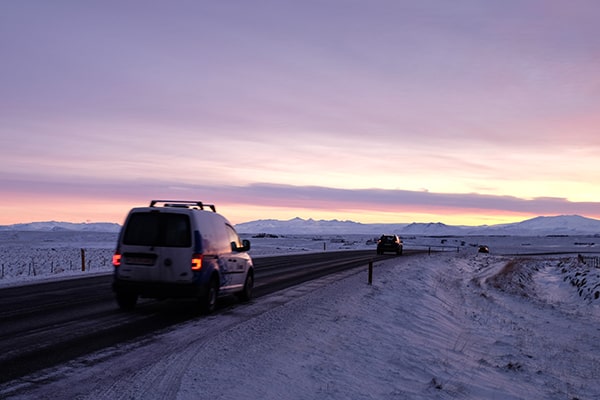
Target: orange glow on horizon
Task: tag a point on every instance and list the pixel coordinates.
(24, 210)
(448, 217)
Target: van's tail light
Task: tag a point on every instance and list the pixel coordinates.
(116, 259)
(196, 262)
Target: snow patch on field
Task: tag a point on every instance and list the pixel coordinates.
(444, 326)
(425, 329)
(456, 324)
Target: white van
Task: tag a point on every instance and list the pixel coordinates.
(175, 249)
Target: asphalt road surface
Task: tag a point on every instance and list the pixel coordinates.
(49, 323)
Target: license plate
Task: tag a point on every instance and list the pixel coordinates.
(139, 260)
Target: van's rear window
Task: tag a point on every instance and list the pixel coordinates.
(158, 229)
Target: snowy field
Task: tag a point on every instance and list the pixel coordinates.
(33, 256)
(451, 325)
(441, 326)
(27, 256)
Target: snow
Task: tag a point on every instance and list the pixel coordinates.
(544, 225)
(34, 256)
(444, 326)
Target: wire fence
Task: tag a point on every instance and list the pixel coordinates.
(591, 261)
(19, 262)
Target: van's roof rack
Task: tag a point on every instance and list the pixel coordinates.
(184, 204)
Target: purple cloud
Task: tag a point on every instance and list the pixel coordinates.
(300, 197)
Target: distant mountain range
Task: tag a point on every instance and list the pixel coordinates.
(54, 226)
(539, 226)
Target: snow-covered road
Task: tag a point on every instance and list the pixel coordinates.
(440, 326)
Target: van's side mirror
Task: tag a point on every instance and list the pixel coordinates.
(245, 246)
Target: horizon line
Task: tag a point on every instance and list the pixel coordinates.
(88, 222)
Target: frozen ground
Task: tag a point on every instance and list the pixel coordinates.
(35, 255)
(446, 326)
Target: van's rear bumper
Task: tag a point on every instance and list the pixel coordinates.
(159, 290)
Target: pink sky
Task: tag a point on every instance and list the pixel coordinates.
(463, 112)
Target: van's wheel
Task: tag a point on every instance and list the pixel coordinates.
(246, 293)
(209, 301)
(126, 300)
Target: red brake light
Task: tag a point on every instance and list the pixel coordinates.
(196, 262)
(116, 259)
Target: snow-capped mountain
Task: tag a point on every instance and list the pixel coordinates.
(557, 225)
(63, 226)
(311, 226)
(433, 229)
(539, 226)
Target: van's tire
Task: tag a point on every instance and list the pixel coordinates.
(246, 293)
(126, 300)
(208, 303)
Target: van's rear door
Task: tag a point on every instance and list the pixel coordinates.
(156, 246)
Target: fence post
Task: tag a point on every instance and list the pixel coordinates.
(370, 272)
(82, 259)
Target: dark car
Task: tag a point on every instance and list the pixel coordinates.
(389, 243)
(483, 249)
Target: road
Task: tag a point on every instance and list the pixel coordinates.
(50, 323)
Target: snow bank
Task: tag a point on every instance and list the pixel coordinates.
(429, 327)
(446, 326)
(541, 278)
(583, 273)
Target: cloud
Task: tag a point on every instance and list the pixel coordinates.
(453, 96)
(298, 197)
(402, 200)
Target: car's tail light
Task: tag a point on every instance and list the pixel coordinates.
(196, 262)
(116, 259)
